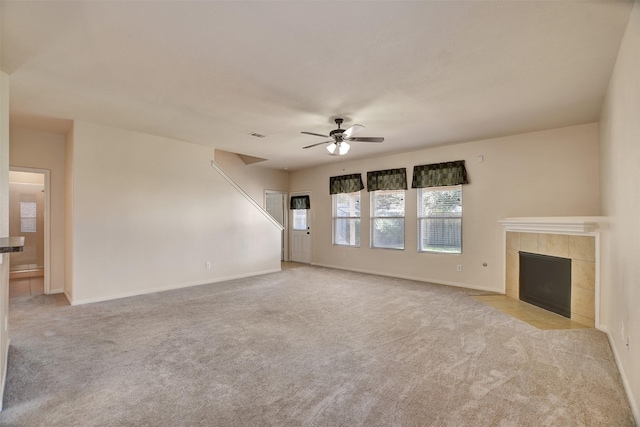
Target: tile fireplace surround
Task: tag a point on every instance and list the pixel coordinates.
(577, 238)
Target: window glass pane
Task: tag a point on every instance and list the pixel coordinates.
(440, 219)
(387, 219)
(440, 202)
(346, 219)
(387, 233)
(299, 219)
(387, 203)
(347, 205)
(440, 235)
(346, 231)
(28, 214)
(28, 209)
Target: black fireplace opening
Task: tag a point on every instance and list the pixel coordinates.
(545, 281)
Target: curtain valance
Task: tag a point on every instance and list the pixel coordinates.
(389, 179)
(345, 183)
(439, 174)
(300, 202)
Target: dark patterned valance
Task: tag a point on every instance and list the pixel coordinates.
(345, 183)
(390, 179)
(300, 202)
(439, 174)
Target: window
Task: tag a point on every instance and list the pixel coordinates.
(299, 219)
(346, 219)
(299, 206)
(28, 215)
(387, 219)
(440, 219)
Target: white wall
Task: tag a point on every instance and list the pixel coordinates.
(43, 150)
(4, 154)
(620, 148)
(4, 227)
(149, 212)
(252, 178)
(549, 173)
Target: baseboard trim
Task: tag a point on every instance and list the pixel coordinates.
(625, 381)
(166, 288)
(25, 274)
(417, 279)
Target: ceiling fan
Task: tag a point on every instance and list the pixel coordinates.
(340, 138)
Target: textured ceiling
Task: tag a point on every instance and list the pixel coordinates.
(417, 73)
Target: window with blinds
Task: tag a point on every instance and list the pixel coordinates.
(387, 219)
(28, 217)
(440, 219)
(346, 219)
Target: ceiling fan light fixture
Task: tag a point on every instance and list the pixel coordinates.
(340, 137)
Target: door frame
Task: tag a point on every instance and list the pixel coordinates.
(309, 221)
(285, 215)
(47, 220)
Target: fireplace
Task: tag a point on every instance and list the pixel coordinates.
(574, 238)
(545, 281)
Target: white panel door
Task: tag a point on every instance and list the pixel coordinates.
(300, 235)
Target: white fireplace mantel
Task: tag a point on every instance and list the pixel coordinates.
(553, 224)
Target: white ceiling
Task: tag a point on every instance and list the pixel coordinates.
(417, 73)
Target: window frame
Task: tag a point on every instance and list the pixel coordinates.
(357, 220)
(421, 218)
(373, 217)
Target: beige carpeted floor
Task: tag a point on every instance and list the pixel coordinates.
(304, 347)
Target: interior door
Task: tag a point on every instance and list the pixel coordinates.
(300, 235)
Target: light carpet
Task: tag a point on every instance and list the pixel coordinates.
(307, 346)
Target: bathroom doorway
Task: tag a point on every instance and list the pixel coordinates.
(29, 217)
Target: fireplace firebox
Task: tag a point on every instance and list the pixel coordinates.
(545, 281)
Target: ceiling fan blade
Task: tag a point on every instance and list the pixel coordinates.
(352, 130)
(319, 143)
(366, 139)
(315, 134)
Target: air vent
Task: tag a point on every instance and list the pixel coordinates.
(257, 135)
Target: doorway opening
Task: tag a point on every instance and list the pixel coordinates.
(275, 202)
(29, 217)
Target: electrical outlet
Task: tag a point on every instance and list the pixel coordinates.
(207, 265)
(459, 267)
